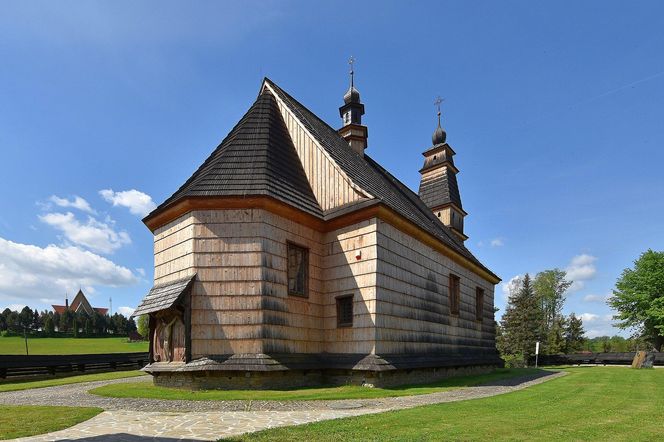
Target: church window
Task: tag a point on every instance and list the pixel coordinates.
(479, 303)
(298, 270)
(345, 311)
(454, 290)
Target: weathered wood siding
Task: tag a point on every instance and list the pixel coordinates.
(329, 183)
(346, 274)
(226, 298)
(412, 313)
(240, 301)
(173, 250)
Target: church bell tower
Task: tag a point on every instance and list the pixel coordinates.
(351, 115)
(439, 189)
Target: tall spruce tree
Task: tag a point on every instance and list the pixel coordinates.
(521, 324)
(574, 334)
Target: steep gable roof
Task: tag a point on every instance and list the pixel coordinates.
(256, 158)
(80, 302)
(369, 175)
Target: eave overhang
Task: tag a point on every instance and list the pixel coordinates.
(337, 219)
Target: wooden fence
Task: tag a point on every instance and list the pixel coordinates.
(594, 358)
(39, 365)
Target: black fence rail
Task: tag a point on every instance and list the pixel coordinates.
(595, 358)
(14, 366)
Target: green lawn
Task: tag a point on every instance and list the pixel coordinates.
(590, 403)
(9, 385)
(147, 390)
(27, 420)
(15, 345)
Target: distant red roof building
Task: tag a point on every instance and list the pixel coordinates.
(80, 303)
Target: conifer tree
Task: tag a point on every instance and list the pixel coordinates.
(574, 334)
(521, 324)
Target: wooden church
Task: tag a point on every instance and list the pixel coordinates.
(290, 257)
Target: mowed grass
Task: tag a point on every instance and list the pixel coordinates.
(15, 345)
(147, 390)
(10, 385)
(590, 403)
(27, 420)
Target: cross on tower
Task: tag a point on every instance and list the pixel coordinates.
(437, 103)
(351, 60)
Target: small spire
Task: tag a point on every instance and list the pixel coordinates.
(352, 95)
(351, 60)
(437, 103)
(439, 134)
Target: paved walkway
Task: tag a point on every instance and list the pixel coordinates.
(138, 420)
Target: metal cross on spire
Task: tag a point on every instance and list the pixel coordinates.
(351, 60)
(437, 102)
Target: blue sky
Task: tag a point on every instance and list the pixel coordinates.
(554, 111)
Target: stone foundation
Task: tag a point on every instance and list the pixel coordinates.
(257, 380)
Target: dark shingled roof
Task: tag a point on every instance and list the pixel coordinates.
(256, 158)
(163, 296)
(373, 178)
(441, 190)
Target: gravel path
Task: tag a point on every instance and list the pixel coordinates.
(168, 420)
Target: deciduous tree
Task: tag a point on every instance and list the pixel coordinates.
(639, 297)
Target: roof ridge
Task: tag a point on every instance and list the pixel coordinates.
(410, 194)
(383, 186)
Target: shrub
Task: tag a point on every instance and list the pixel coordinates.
(514, 360)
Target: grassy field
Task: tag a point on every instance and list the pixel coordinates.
(9, 385)
(590, 403)
(26, 420)
(15, 345)
(147, 390)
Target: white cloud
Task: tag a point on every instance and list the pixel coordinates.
(588, 317)
(497, 242)
(511, 286)
(126, 311)
(77, 203)
(14, 307)
(597, 325)
(50, 300)
(580, 269)
(95, 235)
(140, 271)
(137, 202)
(596, 298)
(30, 273)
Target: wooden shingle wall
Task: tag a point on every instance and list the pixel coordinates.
(413, 315)
(173, 250)
(240, 301)
(291, 323)
(350, 269)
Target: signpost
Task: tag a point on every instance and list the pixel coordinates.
(25, 335)
(536, 352)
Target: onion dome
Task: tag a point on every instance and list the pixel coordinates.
(438, 136)
(352, 95)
